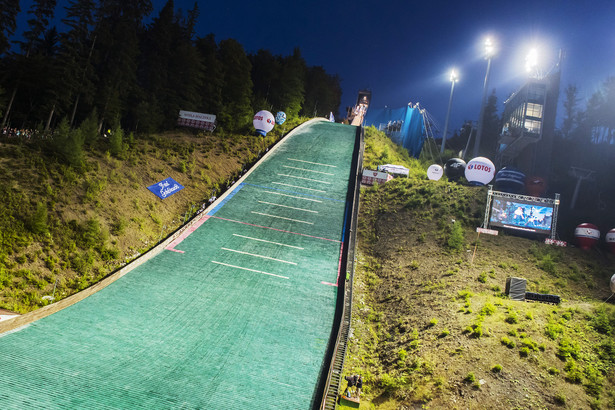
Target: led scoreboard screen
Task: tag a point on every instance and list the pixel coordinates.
(520, 215)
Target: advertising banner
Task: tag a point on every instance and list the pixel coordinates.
(165, 188)
(197, 120)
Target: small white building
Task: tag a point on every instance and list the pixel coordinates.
(394, 169)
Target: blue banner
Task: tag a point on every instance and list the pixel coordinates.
(165, 188)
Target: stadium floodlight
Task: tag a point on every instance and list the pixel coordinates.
(454, 78)
(531, 61)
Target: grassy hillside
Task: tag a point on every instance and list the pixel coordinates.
(70, 227)
(432, 326)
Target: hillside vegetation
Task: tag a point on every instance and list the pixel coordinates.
(432, 326)
(65, 227)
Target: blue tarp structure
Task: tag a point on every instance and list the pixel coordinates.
(403, 125)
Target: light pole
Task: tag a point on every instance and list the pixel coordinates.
(454, 79)
(489, 50)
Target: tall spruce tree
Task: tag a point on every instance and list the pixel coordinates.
(9, 9)
(491, 127)
(323, 93)
(265, 76)
(77, 47)
(210, 90)
(289, 93)
(119, 26)
(41, 11)
(570, 110)
(236, 86)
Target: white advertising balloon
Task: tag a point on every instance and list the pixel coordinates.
(613, 283)
(434, 172)
(263, 122)
(480, 171)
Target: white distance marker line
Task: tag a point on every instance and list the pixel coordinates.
(305, 179)
(296, 197)
(251, 270)
(281, 217)
(314, 163)
(263, 240)
(299, 187)
(286, 206)
(258, 256)
(308, 170)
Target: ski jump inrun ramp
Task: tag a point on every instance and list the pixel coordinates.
(236, 312)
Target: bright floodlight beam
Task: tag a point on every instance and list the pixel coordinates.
(531, 62)
(489, 52)
(454, 78)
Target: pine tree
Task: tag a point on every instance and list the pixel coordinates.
(323, 93)
(9, 9)
(290, 88)
(41, 11)
(213, 75)
(570, 109)
(491, 127)
(265, 76)
(77, 47)
(236, 87)
(119, 24)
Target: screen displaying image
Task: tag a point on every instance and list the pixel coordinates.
(524, 216)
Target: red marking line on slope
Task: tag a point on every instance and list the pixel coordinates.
(185, 234)
(275, 229)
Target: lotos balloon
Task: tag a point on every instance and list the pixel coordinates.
(586, 235)
(453, 169)
(434, 172)
(280, 117)
(480, 171)
(263, 122)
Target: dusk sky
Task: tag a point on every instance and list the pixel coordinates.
(403, 51)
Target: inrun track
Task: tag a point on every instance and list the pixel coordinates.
(234, 313)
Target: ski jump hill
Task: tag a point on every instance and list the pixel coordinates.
(236, 310)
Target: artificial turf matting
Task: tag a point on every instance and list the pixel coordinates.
(235, 314)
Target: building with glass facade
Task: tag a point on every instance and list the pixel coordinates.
(528, 126)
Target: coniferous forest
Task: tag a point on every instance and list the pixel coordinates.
(120, 64)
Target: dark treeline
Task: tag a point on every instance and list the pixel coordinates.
(111, 65)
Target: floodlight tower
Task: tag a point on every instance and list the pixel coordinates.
(489, 52)
(454, 79)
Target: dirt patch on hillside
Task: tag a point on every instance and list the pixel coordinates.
(432, 326)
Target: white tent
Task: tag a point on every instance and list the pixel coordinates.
(394, 169)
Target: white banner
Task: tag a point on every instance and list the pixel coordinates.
(198, 116)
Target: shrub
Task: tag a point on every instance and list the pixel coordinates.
(524, 352)
(482, 278)
(456, 239)
(470, 378)
(487, 310)
(593, 385)
(433, 322)
(573, 374)
(601, 321)
(568, 348)
(553, 330)
(444, 333)
(39, 220)
(547, 264)
(512, 318)
(507, 342)
(497, 368)
(559, 399)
